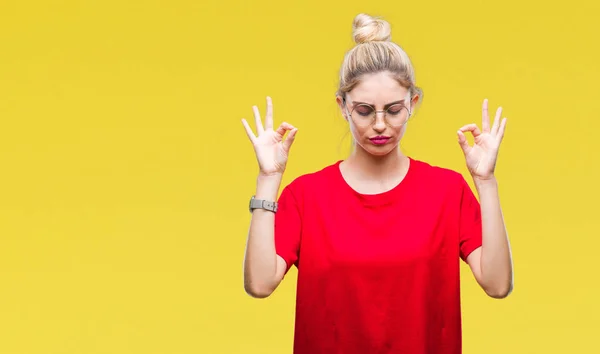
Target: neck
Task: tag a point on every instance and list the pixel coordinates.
(377, 166)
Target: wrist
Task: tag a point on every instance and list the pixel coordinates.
(485, 183)
(271, 175)
(267, 186)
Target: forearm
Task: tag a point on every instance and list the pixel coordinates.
(496, 259)
(260, 263)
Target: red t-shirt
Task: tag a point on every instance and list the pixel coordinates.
(378, 273)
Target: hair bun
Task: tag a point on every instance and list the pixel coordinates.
(370, 29)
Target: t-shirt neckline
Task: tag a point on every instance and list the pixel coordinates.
(378, 198)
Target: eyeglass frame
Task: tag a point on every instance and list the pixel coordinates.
(374, 119)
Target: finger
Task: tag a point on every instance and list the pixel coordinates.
(248, 131)
(257, 121)
(283, 127)
(501, 129)
(287, 143)
(485, 118)
(471, 128)
(462, 141)
(496, 121)
(269, 115)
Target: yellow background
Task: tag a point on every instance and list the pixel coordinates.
(126, 173)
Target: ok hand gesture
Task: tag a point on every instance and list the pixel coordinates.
(271, 149)
(481, 157)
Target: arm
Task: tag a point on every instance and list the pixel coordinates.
(263, 268)
(491, 264)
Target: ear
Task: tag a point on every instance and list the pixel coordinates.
(340, 102)
(413, 102)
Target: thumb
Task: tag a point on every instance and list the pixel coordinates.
(462, 141)
(289, 140)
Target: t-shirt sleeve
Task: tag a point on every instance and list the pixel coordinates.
(288, 227)
(470, 232)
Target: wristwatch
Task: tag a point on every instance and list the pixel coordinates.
(262, 204)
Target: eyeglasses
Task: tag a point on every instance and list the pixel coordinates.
(364, 115)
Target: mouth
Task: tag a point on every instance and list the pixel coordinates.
(380, 140)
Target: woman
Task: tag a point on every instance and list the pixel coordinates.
(377, 238)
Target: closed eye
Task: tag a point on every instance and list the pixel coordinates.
(395, 109)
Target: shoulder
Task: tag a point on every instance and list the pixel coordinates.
(440, 184)
(309, 184)
(315, 179)
(437, 175)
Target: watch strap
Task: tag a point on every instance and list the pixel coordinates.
(262, 204)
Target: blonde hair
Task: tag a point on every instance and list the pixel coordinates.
(373, 53)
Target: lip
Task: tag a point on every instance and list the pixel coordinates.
(379, 140)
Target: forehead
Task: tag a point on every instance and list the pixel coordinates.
(378, 88)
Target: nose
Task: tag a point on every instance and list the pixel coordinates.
(379, 125)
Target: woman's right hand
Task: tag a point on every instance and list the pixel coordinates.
(271, 149)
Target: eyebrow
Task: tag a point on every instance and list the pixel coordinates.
(355, 103)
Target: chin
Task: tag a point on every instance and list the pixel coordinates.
(380, 151)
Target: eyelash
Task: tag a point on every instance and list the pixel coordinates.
(392, 112)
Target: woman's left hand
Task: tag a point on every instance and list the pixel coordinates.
(481, 157)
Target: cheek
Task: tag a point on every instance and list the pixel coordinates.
(402, 131)
(357, 133)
